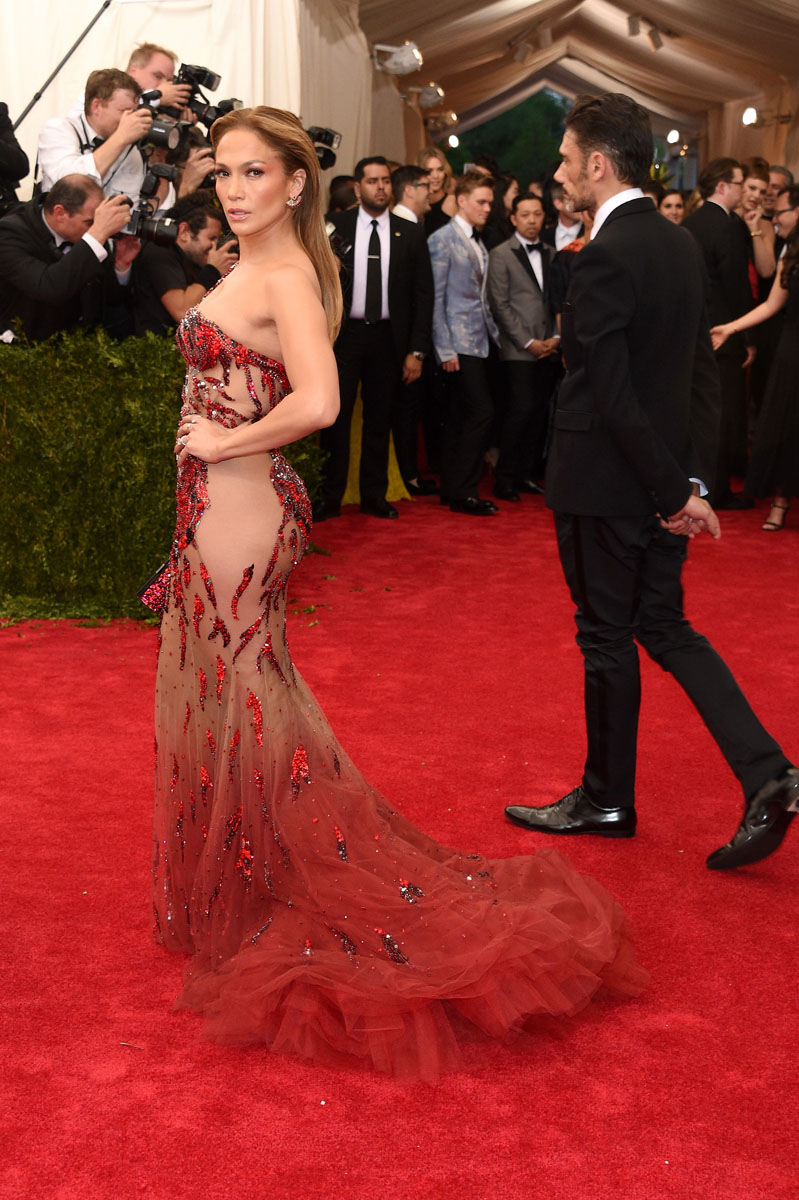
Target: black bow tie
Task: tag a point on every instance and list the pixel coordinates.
(530, 246)
(97, 142)
(477, 237)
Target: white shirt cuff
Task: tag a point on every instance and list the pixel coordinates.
(99, 250)
(702, 488)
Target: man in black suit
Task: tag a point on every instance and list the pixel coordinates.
(387, 285)
(630, 447)
(723, 238)
(56, 268)
(567, 228)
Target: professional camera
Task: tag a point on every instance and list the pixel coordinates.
(325, 141)
(338, 244)
(143, 224)
(164, 132)
(198, 78)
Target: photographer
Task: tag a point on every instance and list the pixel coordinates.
(56, 268)
(101, 142)
(169, 280)
(153, 67)
(13, 163)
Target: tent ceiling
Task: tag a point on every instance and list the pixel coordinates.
(714, 51)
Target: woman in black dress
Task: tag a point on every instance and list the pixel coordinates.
(774, 463)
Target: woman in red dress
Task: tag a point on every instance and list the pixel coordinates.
(318, 920)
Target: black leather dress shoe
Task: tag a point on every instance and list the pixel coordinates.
(766, 819)
(530, 485)
(506, 493)
(575, 814)
(474, 506)
(379, 508)
(422, 487)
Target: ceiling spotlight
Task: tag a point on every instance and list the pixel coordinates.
(655, 38)
(749, 116)
(633, 26)
(401, 60)
(429, 96)
(453, 140)
(673, 136)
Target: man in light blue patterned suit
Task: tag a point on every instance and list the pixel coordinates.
(462, 327)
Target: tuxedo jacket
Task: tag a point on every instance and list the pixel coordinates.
(410, 281)
(724, 241)
(48, 290)
(520, 306)
(462, 319)
(637, 414)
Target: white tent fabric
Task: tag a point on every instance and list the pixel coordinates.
(313, 56)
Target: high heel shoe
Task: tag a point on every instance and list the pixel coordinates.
(773, 526)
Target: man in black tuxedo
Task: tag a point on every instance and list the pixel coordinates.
(56, 268)
(630, 447)
(723, 238)
(387, 284)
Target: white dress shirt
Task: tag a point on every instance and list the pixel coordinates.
(610, 205)
(535, 257)
(363, 234)
(566, 234)
(65, 148)
(400, 210)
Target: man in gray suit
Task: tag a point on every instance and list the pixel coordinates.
(462, 326)
(518, 286)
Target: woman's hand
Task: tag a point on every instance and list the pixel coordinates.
(719, 335)
(201, 438)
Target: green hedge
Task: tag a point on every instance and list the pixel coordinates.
(87, 472)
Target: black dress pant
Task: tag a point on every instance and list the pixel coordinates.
(365, 354)
(405, 427)
(470, 411)
(624, 574)
(731, 458)
(525, 421)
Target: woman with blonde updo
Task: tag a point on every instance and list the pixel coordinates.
(442, 201)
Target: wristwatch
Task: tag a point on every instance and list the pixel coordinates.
(418, 354)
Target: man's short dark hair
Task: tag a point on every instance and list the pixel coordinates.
(101, 85)
(471, 181)
(195, 209)
(791, 195)
(520, 199)
(718, 170)
(614, 125)
(785, 172)
(362, 164)
(72, 192)
(404, 177)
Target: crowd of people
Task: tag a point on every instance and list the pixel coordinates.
(453, 289)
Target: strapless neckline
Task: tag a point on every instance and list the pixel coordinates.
(254, 355)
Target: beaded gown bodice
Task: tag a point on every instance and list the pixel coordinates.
(317, 919)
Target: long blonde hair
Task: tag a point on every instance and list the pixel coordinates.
(283, 133)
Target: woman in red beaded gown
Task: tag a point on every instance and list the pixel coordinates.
(318, 920)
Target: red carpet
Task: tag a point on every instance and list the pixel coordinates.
(442, 649)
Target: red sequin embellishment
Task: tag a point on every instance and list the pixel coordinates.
(209, 737)
(299, 769)
(232, 827)
(209, 587)
(257, 717)
(247, 637)
(205, 784)
(186, 572)
(234, 749)
(347, 944)
(266, 652)
(340, 844)
(220, 629)
(220, 678)
(203, 687)
(182, 624)
(258, 775)
(244, 861)
(199, 612)
(410, 892)
(187, 718)
(391, 946)
(175, 772)
(240, 590)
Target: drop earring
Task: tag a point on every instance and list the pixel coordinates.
(294, 201)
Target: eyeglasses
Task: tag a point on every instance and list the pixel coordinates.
(778, 212)
(423, 183)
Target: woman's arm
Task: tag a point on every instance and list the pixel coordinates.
(762, 233)
(777, 298)
(310, 366)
